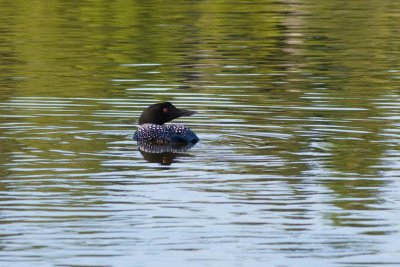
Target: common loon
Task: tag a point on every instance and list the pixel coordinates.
(152, 127)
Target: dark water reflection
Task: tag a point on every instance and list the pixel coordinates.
(298, 162)
(165, 154)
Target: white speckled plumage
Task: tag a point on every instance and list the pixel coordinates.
(165, 133)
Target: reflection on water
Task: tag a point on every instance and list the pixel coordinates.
(299, 123)
(165, 154)
(163, 158)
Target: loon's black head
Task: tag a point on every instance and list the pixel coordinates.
(162, 112)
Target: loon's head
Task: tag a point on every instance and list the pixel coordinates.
(162, 112)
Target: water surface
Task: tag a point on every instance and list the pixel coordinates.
(298, 162)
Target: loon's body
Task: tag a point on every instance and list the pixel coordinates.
(153, 129)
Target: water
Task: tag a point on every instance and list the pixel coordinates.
(298, 162)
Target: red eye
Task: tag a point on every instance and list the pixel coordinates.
(165, 110)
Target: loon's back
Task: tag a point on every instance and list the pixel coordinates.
(168, 133)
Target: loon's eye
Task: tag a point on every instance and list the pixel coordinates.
(165, 110)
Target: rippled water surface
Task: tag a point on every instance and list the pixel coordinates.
(298, 114)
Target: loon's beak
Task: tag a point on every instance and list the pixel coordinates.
(184, 112)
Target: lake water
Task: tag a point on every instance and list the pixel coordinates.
(298, 114)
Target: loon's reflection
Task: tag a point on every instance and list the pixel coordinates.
(164, 154)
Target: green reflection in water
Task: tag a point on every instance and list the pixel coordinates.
(299, 90)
